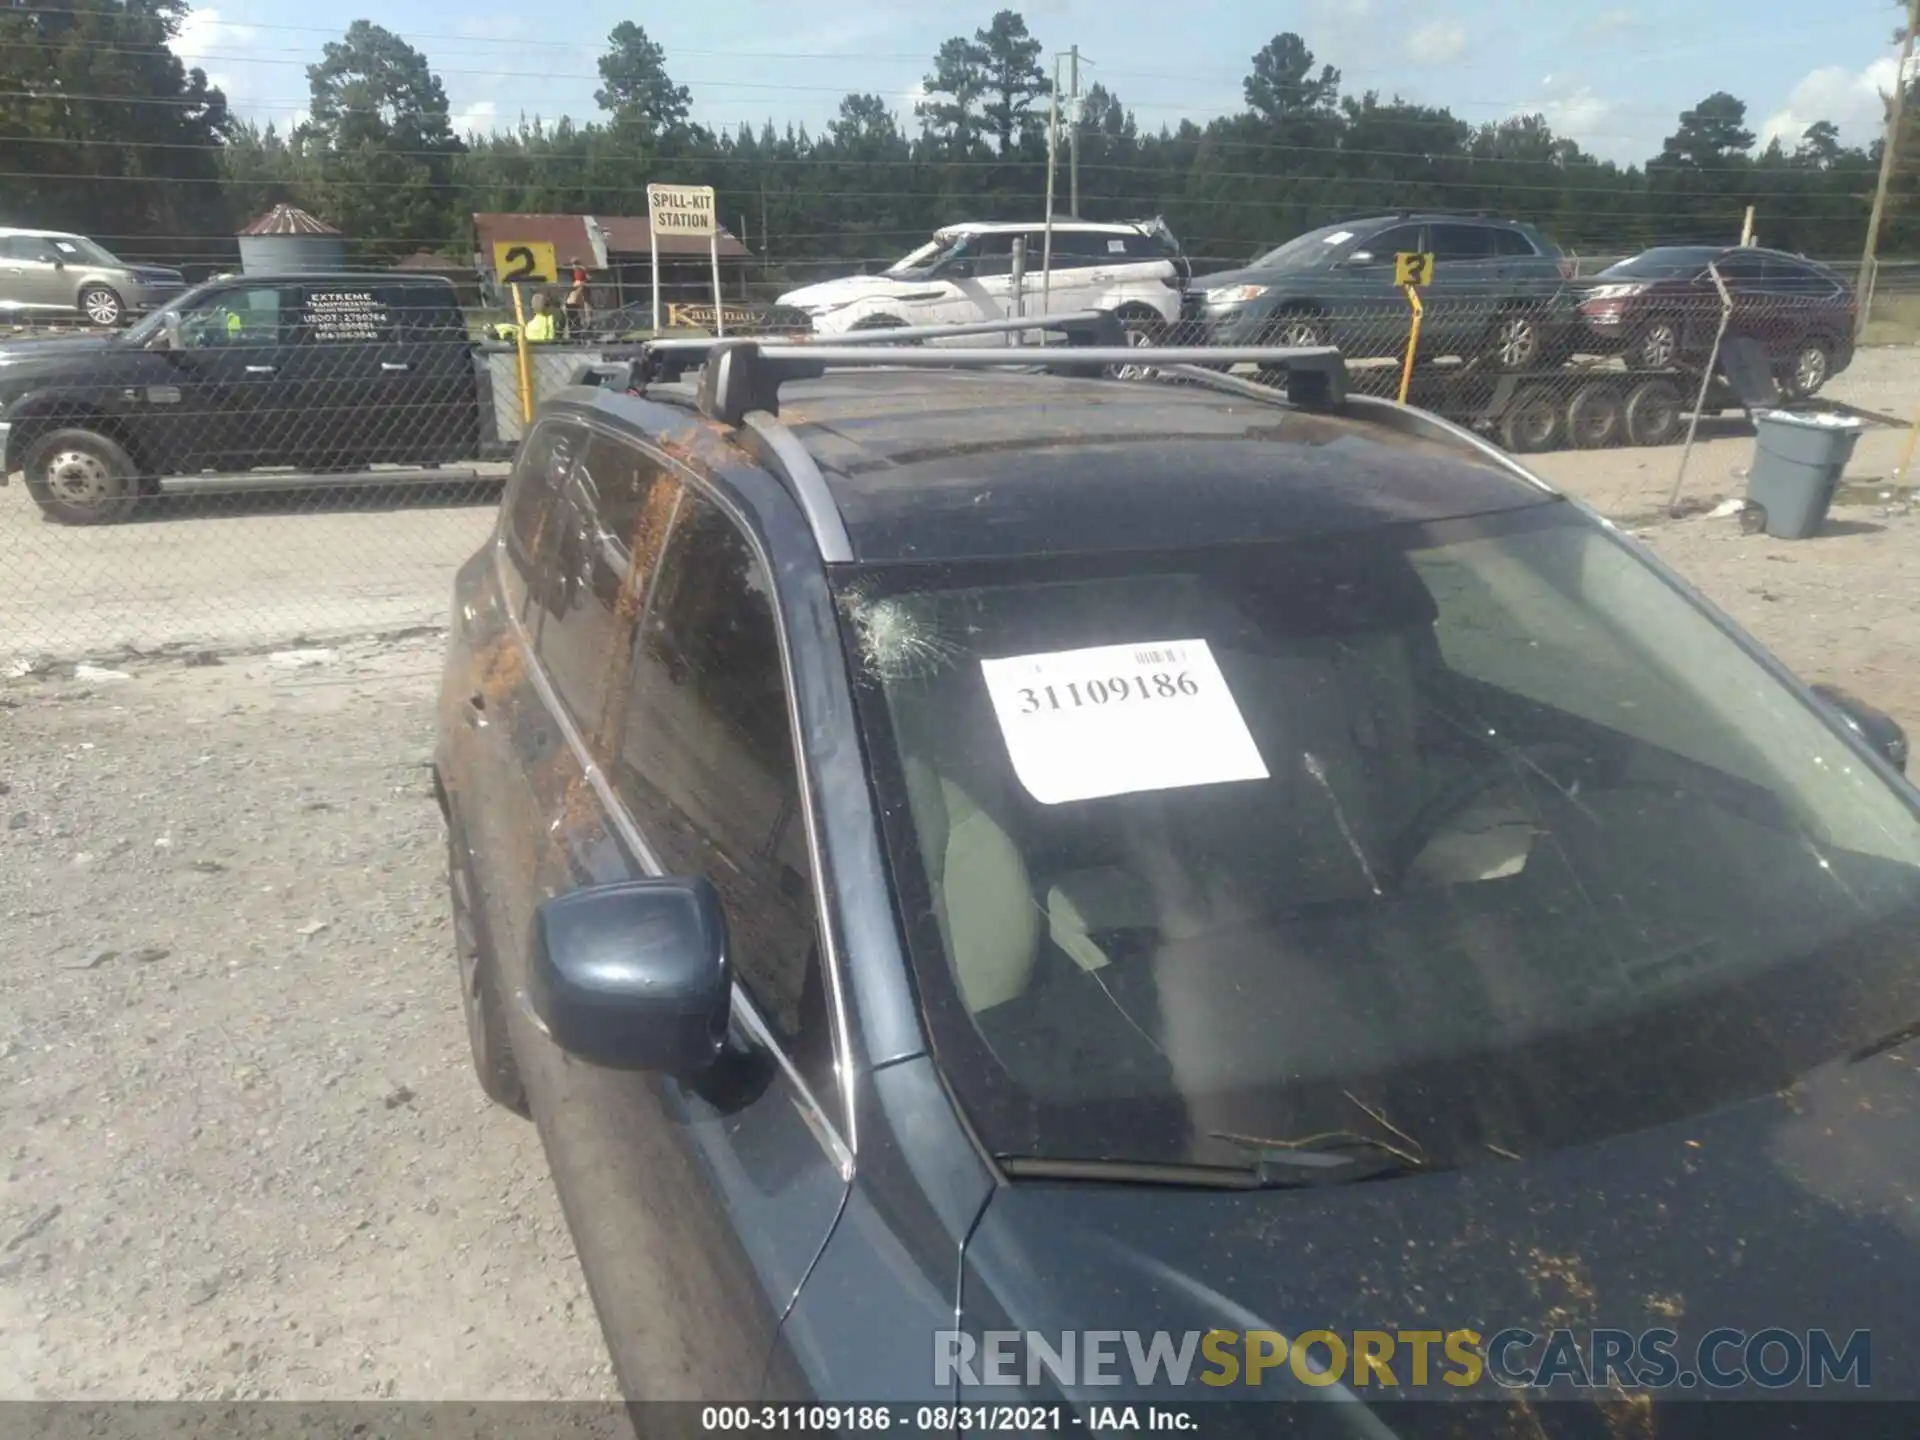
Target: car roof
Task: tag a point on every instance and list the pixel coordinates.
(944, 466)
(50, 234)
(997, 227)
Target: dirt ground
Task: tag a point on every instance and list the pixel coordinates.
(241, 1152)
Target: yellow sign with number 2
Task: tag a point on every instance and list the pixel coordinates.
(1410, 267)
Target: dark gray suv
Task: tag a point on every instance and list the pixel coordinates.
(946, 854)
(1498, 292)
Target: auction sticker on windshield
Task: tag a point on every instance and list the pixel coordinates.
(1119, 719)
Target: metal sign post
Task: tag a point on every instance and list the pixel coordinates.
(1411, 270)
(1016, 296)
(1706, 384)
(684, 210)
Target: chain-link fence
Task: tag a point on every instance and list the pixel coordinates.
(316, 457)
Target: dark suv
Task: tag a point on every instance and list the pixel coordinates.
(1498, 292)
(1661, 308)
(997, 853)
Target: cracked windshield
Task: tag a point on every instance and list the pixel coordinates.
(959, 718)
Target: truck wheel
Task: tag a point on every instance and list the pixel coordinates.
(1595, 417)
(1531, 423)
(101, 306)
(80, 477)
(1652, 413)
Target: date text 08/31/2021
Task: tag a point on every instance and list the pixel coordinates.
(942, 1419)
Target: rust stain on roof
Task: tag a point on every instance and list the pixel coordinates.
(626, 235)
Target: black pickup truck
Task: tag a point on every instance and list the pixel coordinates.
(327, 373)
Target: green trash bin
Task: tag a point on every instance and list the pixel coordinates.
(1797, 464)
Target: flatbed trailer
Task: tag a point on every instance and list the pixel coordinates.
(1589, 404)
(1583, 406)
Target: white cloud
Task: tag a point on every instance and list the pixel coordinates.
(1613, 22)
(214, 45)
(482, 117)
(491, 27)
(1849, 98)
(1437, 42)
(204, 33)
(1571, 108)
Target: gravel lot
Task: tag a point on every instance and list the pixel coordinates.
(241, 1153)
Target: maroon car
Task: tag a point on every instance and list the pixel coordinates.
(1660, 308)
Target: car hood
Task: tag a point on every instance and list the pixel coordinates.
(1796, 1210)
(853, 287)
(15, 353)
(1200, 284)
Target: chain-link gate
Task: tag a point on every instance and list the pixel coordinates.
(317, 456)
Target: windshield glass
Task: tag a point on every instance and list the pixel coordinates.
(1674, 264)
(926, 255)
(1479, 827)
(1303, 249)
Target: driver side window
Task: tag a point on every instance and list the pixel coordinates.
(247, 316)
(30, 249)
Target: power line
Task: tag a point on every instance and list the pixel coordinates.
(1528, 105)
(1398, 183)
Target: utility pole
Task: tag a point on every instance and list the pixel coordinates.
(1888, 154)
(1073, 135)
(1053, 151)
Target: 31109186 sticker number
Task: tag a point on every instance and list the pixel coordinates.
(1117, 719)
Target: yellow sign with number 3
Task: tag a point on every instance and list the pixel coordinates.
(1410, 267)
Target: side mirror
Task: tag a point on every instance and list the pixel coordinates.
(1359, 257)
(1876, 727)
(634, 975)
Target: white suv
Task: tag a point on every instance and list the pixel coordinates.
(965, 273)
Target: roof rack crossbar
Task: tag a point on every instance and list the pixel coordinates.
(742, 376)
(669, 359)
(1088, 326)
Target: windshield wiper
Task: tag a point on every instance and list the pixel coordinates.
(1334, 1156)
(1892, 1040)
(1303, 1170)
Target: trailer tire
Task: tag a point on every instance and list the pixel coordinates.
(1596, 417)
(1531, 422)
(1652, 413)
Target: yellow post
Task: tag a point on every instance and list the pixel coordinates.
(1906, 450)
(1413, 342)
(526, 363)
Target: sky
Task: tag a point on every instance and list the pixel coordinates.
(1614, 76)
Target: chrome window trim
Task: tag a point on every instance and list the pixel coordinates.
(840, 1147)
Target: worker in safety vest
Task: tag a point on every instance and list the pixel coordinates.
(542, 329)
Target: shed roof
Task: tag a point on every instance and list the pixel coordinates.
(288, 220)
(626, 235)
